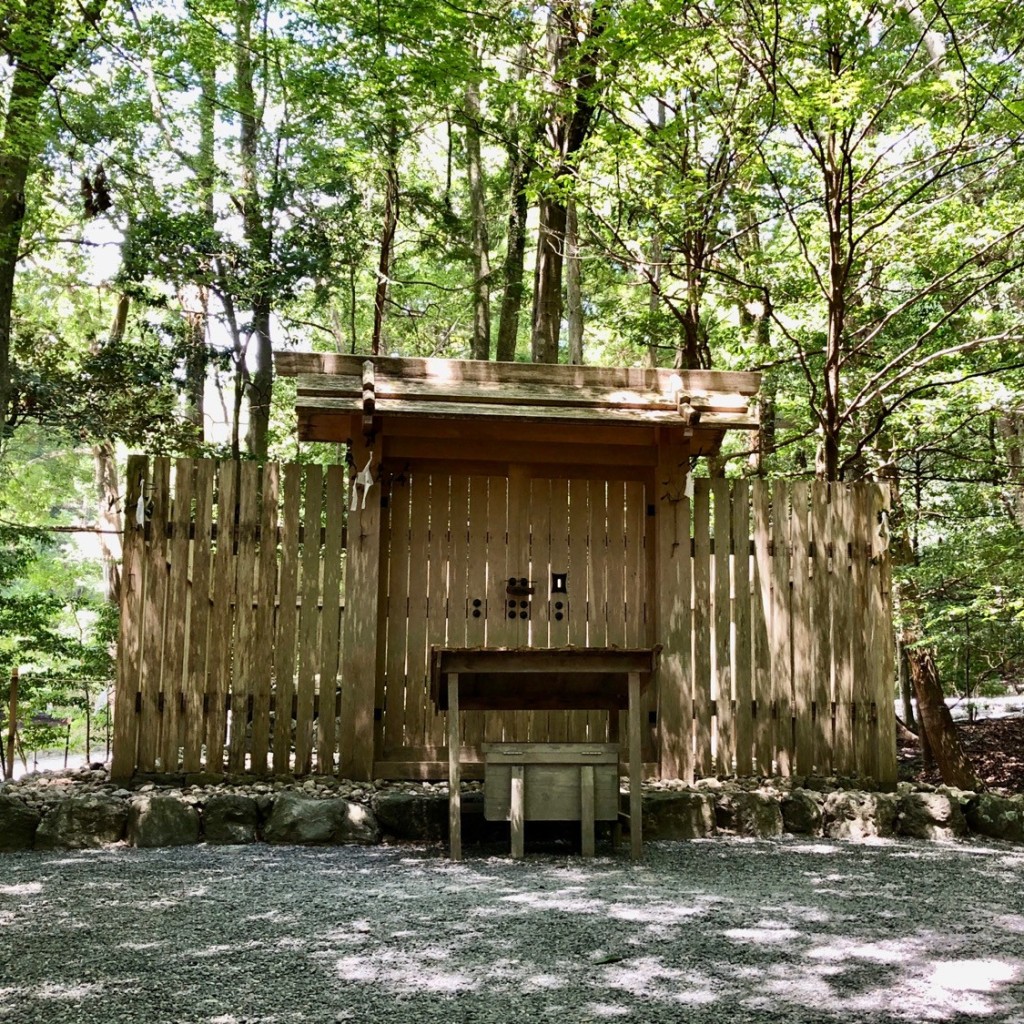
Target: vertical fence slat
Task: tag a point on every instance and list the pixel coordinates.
(636, 564)
(500, 629)
(822, 584)
(782, 631)
(415, 666)
(885, 643)
(265, 594)
(541, 605)
(129, 661)
(222, 618)
(287, 619)
(244, 661)
(616, 564)
(476, 586)
(516, 724)
(330, 622)
(199, 617)
(801, 626)
(309, 617)
(673, 614)
(153, 616)
(398, 611)
(871, 598)
(721, 656)
(702, 625)
(861, 657)
(843, 755)
(742, 687)
(597, 561)
(760, 627)
(434, 732)
(175, 661)
(577, 583)
(557, 613)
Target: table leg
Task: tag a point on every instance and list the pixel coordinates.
(635, 769)
(454, 770)
(516, 814)
(587, 810)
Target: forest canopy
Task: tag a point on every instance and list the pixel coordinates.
(830, 193)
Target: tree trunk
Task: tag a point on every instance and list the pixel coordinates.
(387, 241)
(515, 244)
(515, 257)
(937, 723)
(547, 282)
(18, 145)
(906, 686)
(108, 494)
(481, 346)
(195, 297)
(573, 286)
(257, 235)
(567, 129)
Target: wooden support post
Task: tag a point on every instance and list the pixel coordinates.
(635, 770)
(587, 810)
(673, 619)
(517, 811)
(359, 656)
(454, 770)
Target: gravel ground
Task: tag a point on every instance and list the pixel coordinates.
(714, 931)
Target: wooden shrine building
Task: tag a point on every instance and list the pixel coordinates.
(520, 541)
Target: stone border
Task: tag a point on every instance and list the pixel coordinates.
(84, 809)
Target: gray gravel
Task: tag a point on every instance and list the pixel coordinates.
(721, 930)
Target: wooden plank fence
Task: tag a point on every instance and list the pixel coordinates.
(232, 639)
(230, 618)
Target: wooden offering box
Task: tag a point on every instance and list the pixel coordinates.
(551, 782)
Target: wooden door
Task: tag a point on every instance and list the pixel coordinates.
(470, 561)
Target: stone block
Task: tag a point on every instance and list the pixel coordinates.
(678, 815)
(230, 818)
(18, 825)
(303, 821)
(155, 821)
(82, 823)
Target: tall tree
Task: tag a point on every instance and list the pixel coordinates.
(40, 38)
(574, 57)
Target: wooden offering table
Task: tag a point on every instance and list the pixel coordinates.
(540, 679)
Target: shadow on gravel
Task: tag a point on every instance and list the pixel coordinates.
(708, 931)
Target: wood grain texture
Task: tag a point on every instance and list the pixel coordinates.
(742, 639)
(309, 618)
(782, 632)
(330, 627)
(802, 635)
(286, 620)
(129, 662)
(222, 620)
(721, 690)
(359, 657)
(199, 618)
(761, 607)
(702, 628)
(178, 599)
(153, 616)
(673, 620)
(822, 585)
